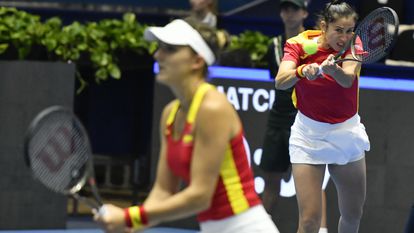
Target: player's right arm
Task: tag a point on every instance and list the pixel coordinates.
(286, 76)
(166, 183)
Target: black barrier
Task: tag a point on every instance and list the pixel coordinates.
(26, 88)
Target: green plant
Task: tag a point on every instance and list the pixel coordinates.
(19, 29)
(125, 34)
(98, 42)
(256, 43)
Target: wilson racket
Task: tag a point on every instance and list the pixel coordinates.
(378, 32)
(58, 152)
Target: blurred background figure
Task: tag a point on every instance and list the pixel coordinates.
(409, 227)
(204, 11)
(402, 53)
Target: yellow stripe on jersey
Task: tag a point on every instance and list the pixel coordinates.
(174, 110)
(294, 98)
(357, 77)
(302, 37)
(306, 35)
(196, 102)
(188, 138)
(232, 183)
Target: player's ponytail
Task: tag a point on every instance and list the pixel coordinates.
(223, 38)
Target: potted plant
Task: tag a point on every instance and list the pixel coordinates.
(95, 43)
(251, 45)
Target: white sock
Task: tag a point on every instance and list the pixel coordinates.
(323, 230)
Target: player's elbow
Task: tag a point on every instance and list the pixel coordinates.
(347, 83)
(347, 78)
(283, 81)
(201, 200)
(279, 85)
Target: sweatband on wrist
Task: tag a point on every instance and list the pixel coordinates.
(135, 217)
(299, 73)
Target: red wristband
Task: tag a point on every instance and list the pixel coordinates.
(127, 218)
(135, 217)
(144, 218)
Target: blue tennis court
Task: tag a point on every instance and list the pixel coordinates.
(154, 230)
(86, 225)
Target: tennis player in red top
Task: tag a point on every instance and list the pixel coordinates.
(201, 144)
(327, 128)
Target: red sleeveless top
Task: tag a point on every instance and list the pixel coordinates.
(235, 191)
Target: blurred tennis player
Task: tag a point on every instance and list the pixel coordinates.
(201, 144)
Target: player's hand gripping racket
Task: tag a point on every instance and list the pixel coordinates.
(378, 32)
(58, 152)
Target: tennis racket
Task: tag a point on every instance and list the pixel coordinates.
(378, 32)
(58, 152)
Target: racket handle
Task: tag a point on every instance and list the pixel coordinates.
(102, 211)
(95, 191)
(320, 71)
(86, 201)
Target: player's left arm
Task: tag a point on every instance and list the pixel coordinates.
(344, 75)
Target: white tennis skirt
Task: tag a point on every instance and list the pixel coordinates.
(253, 220)
(314, 142)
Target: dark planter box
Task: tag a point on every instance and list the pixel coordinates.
(25, 89)
(118, 114)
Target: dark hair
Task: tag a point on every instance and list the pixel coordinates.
(217, 40)
(336, 10)
(287, 5)
(214, 7)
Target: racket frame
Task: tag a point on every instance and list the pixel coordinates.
(351, 42)
(88, 176)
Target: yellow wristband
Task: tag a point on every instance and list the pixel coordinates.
(299, 73)
(136, 217)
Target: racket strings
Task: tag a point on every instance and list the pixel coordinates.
(59, 153)
(377, 34)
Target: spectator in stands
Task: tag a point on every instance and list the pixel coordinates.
(204, 11)
(409, 226)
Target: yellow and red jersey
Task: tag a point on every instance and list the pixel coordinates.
(235, 191)
(323, 99)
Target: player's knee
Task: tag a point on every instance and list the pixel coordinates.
(352, 216)
(310, 223)
(272, 180)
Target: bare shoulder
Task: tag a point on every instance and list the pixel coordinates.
(216, 102)
(217, 111)
(165, 113)
(167, 109)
